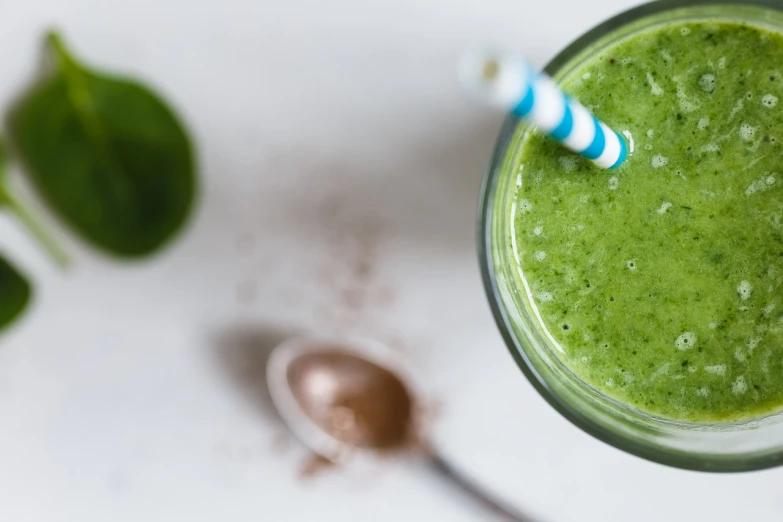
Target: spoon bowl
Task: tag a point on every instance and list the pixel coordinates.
(344, 398)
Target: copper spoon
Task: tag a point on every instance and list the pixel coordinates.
(353, 399)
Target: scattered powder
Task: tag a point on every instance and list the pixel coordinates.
(313, 466)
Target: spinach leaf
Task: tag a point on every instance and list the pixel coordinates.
(14, 293)
(107, 155)
(16, 207)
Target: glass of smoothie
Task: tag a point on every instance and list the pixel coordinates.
(645, 303)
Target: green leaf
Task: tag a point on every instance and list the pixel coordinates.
(16, 207)
(107, 155)
(14, 293)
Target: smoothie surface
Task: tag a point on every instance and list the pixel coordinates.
(661, 280)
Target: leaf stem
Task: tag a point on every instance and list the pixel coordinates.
(55, 42)
(34, 227)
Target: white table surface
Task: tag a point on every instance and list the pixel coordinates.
(330, 134)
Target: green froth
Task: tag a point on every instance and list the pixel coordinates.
(661, 280)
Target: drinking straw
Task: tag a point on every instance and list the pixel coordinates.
(508, 81)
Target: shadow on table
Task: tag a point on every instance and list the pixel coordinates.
(241, 353)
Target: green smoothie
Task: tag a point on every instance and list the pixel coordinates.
(660, 281)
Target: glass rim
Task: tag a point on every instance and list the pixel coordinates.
(655, 453)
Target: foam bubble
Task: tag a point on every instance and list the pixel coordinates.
(648, 147)
(768, 309)
(710, 147)
(631, 265)
(722, 62)
(525, 206)
(739, 354)
(666, 56)
(584, 198)
(739, 386)
(703, 123)
(685, 31)
(544, 296)
(769, 100)
(614, 183)
(610, 382)
(747, 132)
(655, 89)
(567, 163)
(707, 82)
(538, 230)
(760, 185)
(717, 369)
(685, 104)
(752, 343)
(693, 369)
(666, 206)
(586, 76)
(738, 107)
(650, 133)
(712, 326)
(662, 370)
(580, 227)
(686, 341)
(744, 289)
(601, 76)
(626, 60)
(659, 161)
(540, 255)
(702, 391)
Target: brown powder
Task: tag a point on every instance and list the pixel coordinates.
(313, 466)
(354, 400)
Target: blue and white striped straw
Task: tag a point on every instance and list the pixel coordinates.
(509, 82)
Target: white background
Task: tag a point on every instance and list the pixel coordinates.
(134, 392)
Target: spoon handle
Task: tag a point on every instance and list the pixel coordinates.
(448, 472)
